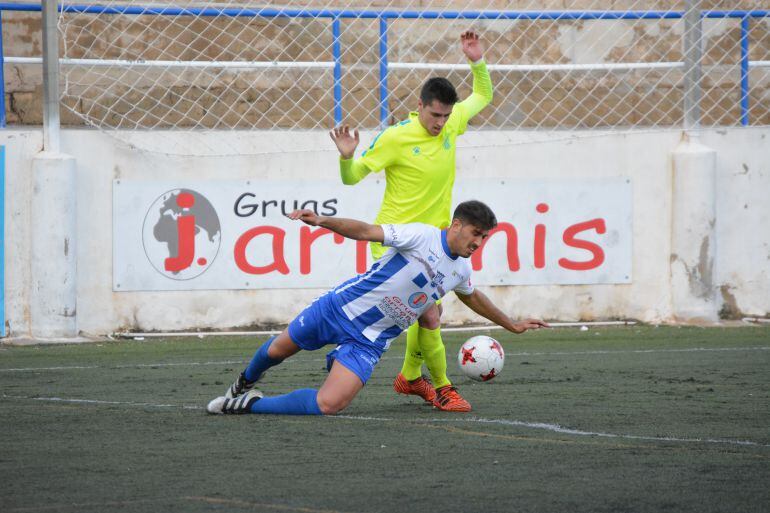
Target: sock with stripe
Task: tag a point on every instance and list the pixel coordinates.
(412, 367)
(299, 402)
(434, 353)
(260, 362)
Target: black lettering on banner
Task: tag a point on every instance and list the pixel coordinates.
(283, 207)
(247, 205)
(265, 205)
(247, 209)
(311, 202)
(329, 205)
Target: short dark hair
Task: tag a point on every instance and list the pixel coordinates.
(438, 88)
(476, 213)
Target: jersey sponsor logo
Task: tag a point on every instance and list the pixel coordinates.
(418, 299)
(394, 308)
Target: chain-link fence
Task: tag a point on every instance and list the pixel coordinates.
(566, 65)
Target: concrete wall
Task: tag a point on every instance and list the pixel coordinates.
(739, 271)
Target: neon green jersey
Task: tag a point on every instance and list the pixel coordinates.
(419, 167)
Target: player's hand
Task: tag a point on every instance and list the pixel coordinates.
(307, 216)
(472, 47)
(345, 141)
(529, 324)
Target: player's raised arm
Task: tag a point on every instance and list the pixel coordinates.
(481, 304)
(345, 140)
(350, 228)
(351, 170)
(473, 50)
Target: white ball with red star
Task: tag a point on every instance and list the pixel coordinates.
(481, 358)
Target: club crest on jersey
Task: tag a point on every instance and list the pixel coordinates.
(418, 299)
(438, 280)
(447, 144)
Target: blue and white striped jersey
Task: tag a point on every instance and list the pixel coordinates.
(417, 270)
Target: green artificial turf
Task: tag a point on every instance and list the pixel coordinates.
(613, 419)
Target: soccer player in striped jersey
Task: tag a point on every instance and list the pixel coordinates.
(418, 156)
(364, 314)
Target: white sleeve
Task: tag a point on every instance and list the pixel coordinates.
(465, 287)
(405, 236)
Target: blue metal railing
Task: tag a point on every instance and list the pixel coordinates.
(383, 16)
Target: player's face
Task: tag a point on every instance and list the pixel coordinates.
(434, 115)
(468, 239)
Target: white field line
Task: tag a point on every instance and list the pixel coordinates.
(645, 351)
(242, 362)
(100, 402)
(484, 327)
(555, 428)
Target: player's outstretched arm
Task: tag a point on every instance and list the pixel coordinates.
(482, 83)
(482, 305)
(350, 228)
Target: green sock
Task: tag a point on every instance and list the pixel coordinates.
(435, 355)
(412, 368)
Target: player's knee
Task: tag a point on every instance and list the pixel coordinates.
(431, 319)
(331, 405)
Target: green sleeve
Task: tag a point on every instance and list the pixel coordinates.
(378, 156)
(352, 171)
(481, 96)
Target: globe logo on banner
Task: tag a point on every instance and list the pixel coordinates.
(181, 234)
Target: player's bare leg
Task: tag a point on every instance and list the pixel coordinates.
(339, 389)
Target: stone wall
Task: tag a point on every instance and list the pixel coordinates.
(154, 98)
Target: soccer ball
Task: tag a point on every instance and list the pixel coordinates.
(481, 358)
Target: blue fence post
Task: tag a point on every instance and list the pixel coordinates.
(2, 75)
(337, 70)
(2, 241)
(745, 70)
(383, 71)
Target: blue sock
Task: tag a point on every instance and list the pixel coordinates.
(299, 402)
(261, 362)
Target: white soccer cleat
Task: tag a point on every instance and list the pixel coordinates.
(240, 404)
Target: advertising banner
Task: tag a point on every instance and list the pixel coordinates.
(211, 235)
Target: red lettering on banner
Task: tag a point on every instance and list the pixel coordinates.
(185, 236)
(512, 247)
(279, 262)
(361, 247)
(595, 249)
(540, 238)
(306, 238)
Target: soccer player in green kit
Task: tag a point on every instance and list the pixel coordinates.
(418, 156)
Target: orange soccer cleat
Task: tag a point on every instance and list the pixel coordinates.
(420, 387)
(448, 399)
